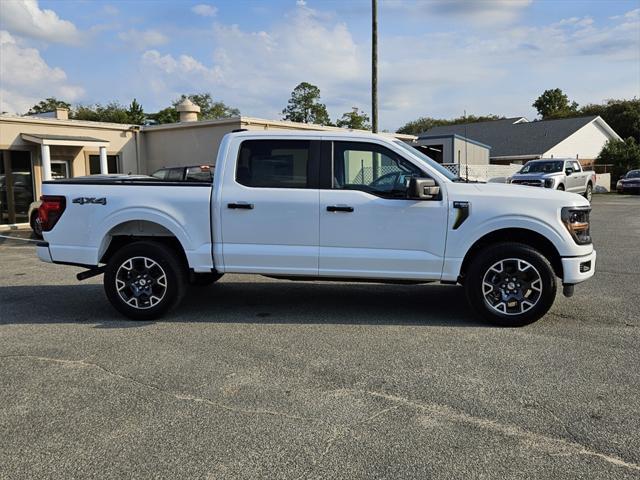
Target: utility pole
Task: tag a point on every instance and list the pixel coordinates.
(374, 66)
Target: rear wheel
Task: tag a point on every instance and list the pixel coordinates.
(510, 284)
(588, 193)
(143, 280)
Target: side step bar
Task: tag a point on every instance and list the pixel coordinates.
(90, 273)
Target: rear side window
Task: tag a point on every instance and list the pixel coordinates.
(199, 174)
(161, 174)
(175, 174)
(274, 163)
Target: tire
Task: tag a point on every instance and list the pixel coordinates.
(144, 280)
(204, 279)
(530, 295)
(560, 187)
(588, 193)
(35, 225)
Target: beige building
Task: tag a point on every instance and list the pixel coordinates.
(36, 148)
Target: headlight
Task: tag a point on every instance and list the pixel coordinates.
(548, 182)
(576, 219)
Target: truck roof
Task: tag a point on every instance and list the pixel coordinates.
(314, 133)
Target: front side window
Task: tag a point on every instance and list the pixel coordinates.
(273, 163)
(371, 168)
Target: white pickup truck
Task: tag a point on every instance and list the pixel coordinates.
(325, 206)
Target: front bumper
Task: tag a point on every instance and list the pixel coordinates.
(578, 269)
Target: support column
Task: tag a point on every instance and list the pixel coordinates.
(104, 166)
(46, 162)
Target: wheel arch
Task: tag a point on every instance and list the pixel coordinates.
(525, 236)
(132, 231)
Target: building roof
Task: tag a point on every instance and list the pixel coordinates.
(67, 140)
(516, 136)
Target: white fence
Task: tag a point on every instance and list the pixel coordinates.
(483, 173)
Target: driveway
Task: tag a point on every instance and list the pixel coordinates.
(257, 378)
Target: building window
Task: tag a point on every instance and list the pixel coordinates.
(113, 164)
(273, 163)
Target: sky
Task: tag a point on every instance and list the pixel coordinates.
(437, 58)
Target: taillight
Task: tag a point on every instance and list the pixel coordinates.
(50, 211)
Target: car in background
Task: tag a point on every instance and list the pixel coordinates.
(192, 173)
(629, 183)
(559, 174)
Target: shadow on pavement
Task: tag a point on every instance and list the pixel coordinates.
(252, 302)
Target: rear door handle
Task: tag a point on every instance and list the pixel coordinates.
(245, 206)
(339, 208)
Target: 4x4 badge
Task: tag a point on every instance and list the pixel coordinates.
(83, 200)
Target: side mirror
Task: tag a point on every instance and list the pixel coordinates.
(423, 189)
(568, 171)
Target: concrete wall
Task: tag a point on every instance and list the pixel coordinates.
(190, 143)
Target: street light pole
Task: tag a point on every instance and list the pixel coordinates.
(374, 66)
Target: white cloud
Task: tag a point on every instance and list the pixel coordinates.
(26, 18)
(27, 79)
(204, 10)
(301, 3)
(438, 74)
(478, 12)
(142, 40)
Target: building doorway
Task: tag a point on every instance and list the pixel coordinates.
(16, 186)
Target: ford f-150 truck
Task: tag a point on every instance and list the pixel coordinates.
(561, 174)
(324, 206)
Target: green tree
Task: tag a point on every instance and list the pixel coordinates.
(166, 115)
(112, 112)
(304, 106)
(209, 109)
(554, 104)
(136, 113)
(621, 115)
(355, 120)
(624, 155)
(422, 124)
(48, 105)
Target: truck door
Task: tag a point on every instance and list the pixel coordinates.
(579, 177)
(269, 208)
(368, 228)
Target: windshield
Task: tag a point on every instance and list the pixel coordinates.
(432, 163)
(543, 167)
(633, 174)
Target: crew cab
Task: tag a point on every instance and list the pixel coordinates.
(334, 206)
(560, 174)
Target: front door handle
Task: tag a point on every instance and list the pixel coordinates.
(339, 208)
(245, 206)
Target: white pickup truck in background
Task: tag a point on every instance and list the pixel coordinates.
(324, 206)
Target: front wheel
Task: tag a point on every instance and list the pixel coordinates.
(144, 280)
(510, 284)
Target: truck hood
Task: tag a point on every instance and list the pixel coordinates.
(509, 195)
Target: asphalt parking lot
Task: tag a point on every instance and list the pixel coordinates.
(257, 378)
